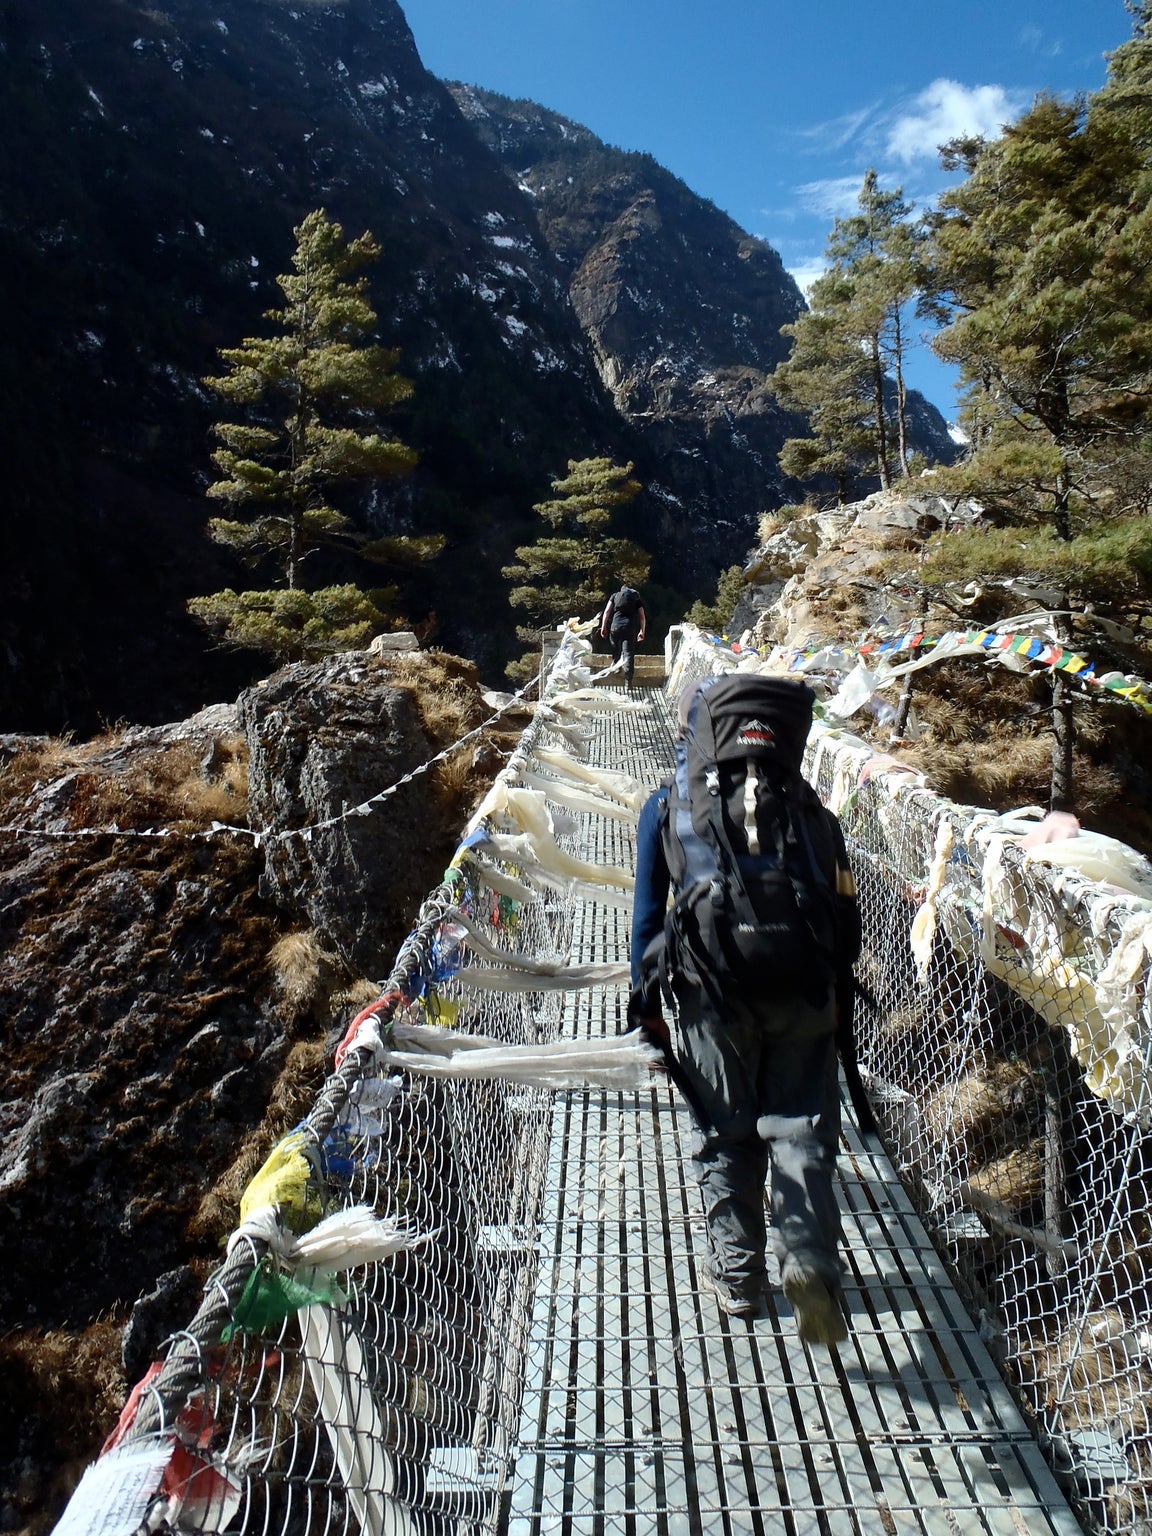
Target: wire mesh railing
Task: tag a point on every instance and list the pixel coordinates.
(356, 1364)
(366, 1376)
(1006, 1045)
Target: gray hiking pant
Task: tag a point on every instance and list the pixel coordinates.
(777, 1073)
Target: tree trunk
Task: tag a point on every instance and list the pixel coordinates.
(1063, 795)
(1061, 511)
(901, 393)
(297, 452)
(904, 707)
(1063, 741)
(881, 422)
(295, 553)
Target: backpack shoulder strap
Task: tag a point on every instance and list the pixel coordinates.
(808, 817)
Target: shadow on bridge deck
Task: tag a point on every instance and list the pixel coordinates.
(648, 1410)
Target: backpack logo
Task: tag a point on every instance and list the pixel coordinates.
(755, 733)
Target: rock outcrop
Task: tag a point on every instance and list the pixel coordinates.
(323, 739)
(139, 1036)
(164, 997)
(824, 576)
(979, 732)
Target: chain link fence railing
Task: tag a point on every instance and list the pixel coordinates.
(1007, 1046)
(325, 1387)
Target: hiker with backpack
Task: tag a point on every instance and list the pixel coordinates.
(623, 623)
(761, 934)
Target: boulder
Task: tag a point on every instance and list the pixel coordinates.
(399, 640)
(324, 739)
(787, 552)
(895, 511)
(134, 977)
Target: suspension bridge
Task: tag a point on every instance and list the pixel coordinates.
(511, 1334)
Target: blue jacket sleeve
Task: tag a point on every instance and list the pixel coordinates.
(651, 896)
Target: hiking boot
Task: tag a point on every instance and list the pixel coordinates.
(735, 1301)
(818, 1304)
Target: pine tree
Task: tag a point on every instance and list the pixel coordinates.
(290, 623)
(1041, 267)
(716, 615)
(571, 572)
(849, 343)
(1128, 91)
(309, 394)
(876, 250)
(825, 376)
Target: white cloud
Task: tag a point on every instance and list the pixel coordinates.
(834, 198)
(1039, 42)
(805, 273)
(836, 132)
(948, 110)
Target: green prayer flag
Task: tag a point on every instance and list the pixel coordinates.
(271, 1295)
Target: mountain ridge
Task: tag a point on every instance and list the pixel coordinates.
(159, 158)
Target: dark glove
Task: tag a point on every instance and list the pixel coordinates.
(654, 1029)
(847, 989)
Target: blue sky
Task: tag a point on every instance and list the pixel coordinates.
(775, 110)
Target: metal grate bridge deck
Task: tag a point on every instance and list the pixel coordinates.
(649, 1412)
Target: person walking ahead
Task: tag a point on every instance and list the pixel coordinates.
(763, 931)
(623, 623)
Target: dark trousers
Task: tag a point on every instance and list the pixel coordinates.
(622, 639)
(765, 1097)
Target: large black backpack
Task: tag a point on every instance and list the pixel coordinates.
(751, 851)
(626, 603)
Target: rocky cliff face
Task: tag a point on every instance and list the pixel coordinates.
(669, 288)
(683, 309)
(551, 298)
(156, 160)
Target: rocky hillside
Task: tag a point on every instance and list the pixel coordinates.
(157, 159)
(836, 585)
(165, 1001)
(683, 309)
